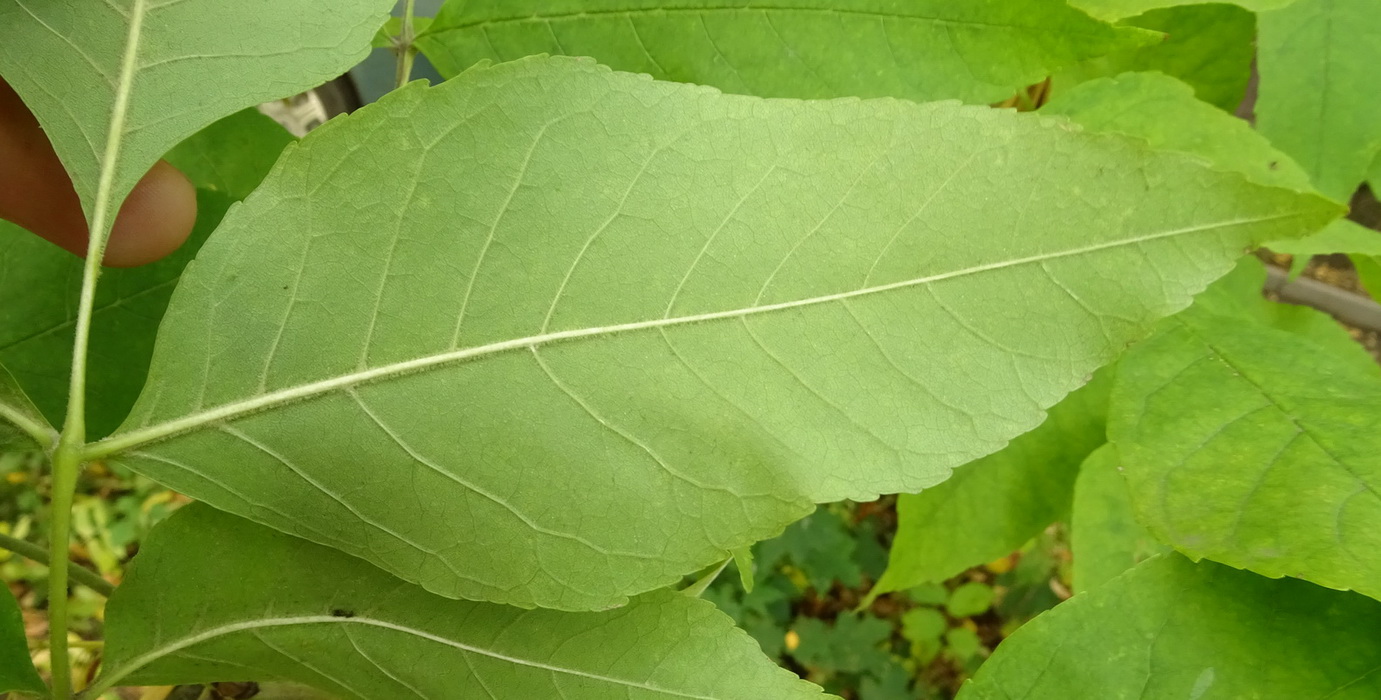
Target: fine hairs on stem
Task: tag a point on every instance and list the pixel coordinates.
(67, 458)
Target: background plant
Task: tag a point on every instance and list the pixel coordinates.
(475, 374)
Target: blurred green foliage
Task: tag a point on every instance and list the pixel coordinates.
(916, 644)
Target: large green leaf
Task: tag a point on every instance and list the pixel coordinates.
(993, 506)
(574, 333)
(1117, 9)
(1172, 629)
(1209, 47)
(1105, 538)
(20, 421)
(916, 49)
(40, 283)
(116, 84)
(1165, 112)
(212, 597)
(1254, 447)
(1317, 99)
(16, 669)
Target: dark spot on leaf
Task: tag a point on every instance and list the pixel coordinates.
(341, 612)
(1275, 165)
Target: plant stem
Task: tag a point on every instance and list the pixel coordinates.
(77, 572)
(403, 46)
(67, 458)
(66, 466)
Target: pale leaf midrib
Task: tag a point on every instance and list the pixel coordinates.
(138, 662)
(101, 223)
(167, 429)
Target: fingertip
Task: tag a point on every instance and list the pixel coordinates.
(155, 220)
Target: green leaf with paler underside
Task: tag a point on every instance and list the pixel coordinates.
(701, 312)
(918, 49)
(212, 597)
(1169, 628)
(944, 530)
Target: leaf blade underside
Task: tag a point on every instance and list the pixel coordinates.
(946, 529)
(700, 312)
(212, 597)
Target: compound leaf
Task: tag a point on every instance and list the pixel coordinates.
(212, 597)
(116, 84)
(1317, 99)
(994, 505)
(1170, 628)
(919, 49)
(17, 673)
(1252, 446)
(698, 311)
